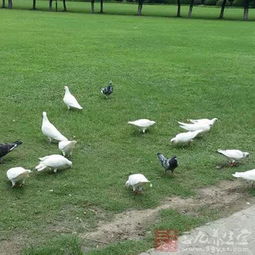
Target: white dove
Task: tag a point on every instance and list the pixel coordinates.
(204, 121)
(143, 124)
(17, 174)
(66, 147)
(137, 181)
(54, 162)
(234, 155)
(196, 126)
(49, 130)
(248, 175)
(70, 100)
(185, 137)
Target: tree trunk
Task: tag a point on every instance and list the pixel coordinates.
(64, 4)
(140, 7)
(10, 4)
(3, 5)
(179, 8)
(34, 4)
(246, 10)
(101, 6)
(92, 6)
(222, 9)
(50, 4)
(190, 8)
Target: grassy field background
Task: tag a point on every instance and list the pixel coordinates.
(162, 69)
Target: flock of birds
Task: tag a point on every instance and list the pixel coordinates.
(17, 175)
(55, 162)
(194, 128)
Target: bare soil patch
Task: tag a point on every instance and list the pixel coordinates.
(226, 197)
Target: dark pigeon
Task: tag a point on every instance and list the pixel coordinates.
(107, 91)
(168, 163)
(5, 148)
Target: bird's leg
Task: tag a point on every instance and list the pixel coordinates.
(144, 129)
(50, 139)
(13, 184)
(139, 190)
(233, 163)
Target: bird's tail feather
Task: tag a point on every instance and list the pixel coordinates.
(220, 151)
(184, 127)
(182, 123)
(14, 145)
(237, 174)
(161, 157)
(18, 142)
(40, 167)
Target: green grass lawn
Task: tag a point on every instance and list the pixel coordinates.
(163, 69)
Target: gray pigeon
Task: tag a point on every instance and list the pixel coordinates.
(107, 91)
(5, 148)
(168, 163)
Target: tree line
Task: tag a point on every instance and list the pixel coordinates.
(221, 3)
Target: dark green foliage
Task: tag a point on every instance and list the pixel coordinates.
(238, 2)
(210, 2)
(198, 2)
(219, 3)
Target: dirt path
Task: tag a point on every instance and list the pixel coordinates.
(229, 196)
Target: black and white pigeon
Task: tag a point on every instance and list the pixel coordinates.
(5, 148)
(168, 163)
(107, 91)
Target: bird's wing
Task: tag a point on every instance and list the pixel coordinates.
(138, 123)
(137, 178)
(189, 127)
(15, 172)
(50, 130)
(193, 121)
(204, 121)
(187, 135)
(4, 149)
(55, 161)
(171, 161)
(231, 153)
(72, 101)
